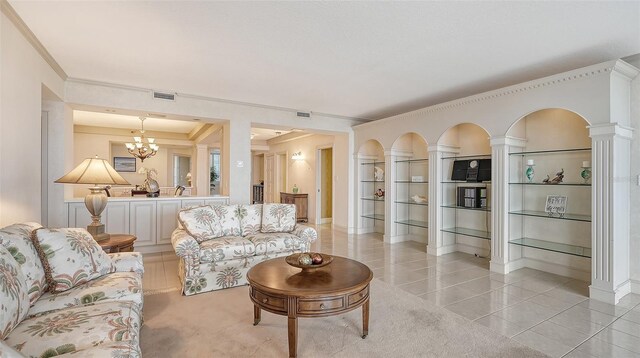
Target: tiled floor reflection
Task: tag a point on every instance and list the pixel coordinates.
(547, 312)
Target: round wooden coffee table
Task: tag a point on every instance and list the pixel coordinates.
(282, 289)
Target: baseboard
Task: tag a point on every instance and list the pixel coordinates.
(442, 250)
(343, 229)
(325, 221)
(551, 268)
(153, 249)
(472, 250)
(366, 230)
(394, 239)
(610, 296)
(499, 267)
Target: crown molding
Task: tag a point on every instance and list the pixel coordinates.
(625, 69)
(573, 75)
(15, 19)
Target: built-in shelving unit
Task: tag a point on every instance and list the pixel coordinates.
(411, 197)
(372, 206)
(530, 225)
(465, 223)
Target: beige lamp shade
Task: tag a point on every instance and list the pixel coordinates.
(98, 172)
(93, 171)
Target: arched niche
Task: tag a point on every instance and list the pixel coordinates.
(549, 193)
(371, 148)
(468, 138)
(371, 186)
(552, 128)
(412, 144)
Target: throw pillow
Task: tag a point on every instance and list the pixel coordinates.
(228, 219)
(250, 218)
(14, 300)
(70, 257)
(201, 222)
(17, 239)
(278, 217)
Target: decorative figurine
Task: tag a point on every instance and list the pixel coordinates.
(586, 171)
(557, 179)
(379, 174)
(419, 199)
(530, 172)
(546, 181)
(379, 193)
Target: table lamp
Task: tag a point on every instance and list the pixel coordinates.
(98, 172)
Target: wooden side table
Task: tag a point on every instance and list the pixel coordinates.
(118, 243)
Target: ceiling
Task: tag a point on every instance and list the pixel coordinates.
(266, 133)
(358, 59)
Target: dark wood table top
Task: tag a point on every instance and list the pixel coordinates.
(342, 274)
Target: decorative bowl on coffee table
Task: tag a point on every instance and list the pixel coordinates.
(293, 261)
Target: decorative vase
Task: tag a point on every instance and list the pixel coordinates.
(529, 173)
(586, 174)
(295, 189)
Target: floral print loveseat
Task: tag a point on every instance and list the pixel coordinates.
(98, 317)
(217, 245)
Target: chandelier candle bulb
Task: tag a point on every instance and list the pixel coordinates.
(530, 162)
(586, 164)
(139, 149)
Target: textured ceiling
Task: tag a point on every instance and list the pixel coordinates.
(359, 59)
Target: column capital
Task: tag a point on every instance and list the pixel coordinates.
(507, 140)
(610, 130)
(202, 146)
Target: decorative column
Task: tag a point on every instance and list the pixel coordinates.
(500, 149)
(202, 170)
(390, 227)
(436, 174)
(236, 160)
(611, 151)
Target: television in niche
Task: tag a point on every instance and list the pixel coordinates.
(472, 170)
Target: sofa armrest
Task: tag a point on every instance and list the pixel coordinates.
(305, 232)
(185, 246)
(128, 262)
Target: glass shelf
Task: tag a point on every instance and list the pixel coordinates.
(467, 182)
(553, 151)
(411, 203)
(412, 160)
(477, 156)
(464, 208)
(374, 216)
(371, 163)
(372, 198)
(416, 223)
(542, 214)
(469, 232)
(553, 185)
(372, 181)
(411, 182)
(553, 246)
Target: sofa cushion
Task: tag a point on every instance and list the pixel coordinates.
(14, 299)
(273, 243)
(250, 218)
(118, 286)
(278, 218)
(78, 328)
(228, 219)
(70, 257)
(8, 352)
(17, 239)
(226, 248)
(201, 222)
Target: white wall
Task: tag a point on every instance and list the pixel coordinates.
(303, 172)
(635, 188)
(23, 72)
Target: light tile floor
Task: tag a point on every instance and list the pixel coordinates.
(547, 312)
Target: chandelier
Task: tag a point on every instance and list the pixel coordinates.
(140, 149)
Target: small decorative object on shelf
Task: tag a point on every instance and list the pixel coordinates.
(417, 178)
(419, 199)
(586, 171)
(295, 189)
(556, 204)
(379, 174)
(556, 180)
(150, 184)
(530, 172)
(379, 193)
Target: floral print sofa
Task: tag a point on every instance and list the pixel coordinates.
(217, 245)
(98, 317)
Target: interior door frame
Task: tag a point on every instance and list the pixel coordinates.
(277, 169)
(269, 180)
(318, 204)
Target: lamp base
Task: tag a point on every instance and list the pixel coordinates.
(97, 231)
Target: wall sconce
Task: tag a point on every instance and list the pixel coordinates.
(297, 156)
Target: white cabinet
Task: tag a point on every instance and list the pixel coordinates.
(151, 220)
(167, 219)
(143, 222)
(116, 217)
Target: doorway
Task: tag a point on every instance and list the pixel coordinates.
(324, 183)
